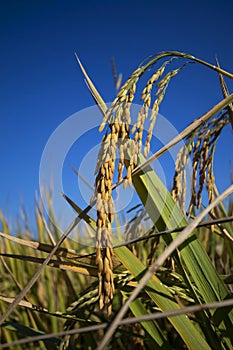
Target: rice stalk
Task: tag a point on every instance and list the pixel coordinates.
(225, 93)
(163, 292)
(152, 269)
(117, 136)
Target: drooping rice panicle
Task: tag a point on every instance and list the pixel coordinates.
(143, 113)
(162, 86)
(122, 96)
(201, 150)
(104, 208)
(179, 181)
(119, 137)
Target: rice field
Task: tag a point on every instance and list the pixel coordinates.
(169, 287)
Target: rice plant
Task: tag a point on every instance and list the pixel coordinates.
(168, 288)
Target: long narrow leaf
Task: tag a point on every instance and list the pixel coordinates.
(82, 268)
(157, 200)
(160, 295)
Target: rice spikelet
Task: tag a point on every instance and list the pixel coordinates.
(202, 153)
(119, 137)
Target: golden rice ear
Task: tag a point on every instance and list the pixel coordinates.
(200, 148)
(179, 180)
(117, 137)
(118, 134)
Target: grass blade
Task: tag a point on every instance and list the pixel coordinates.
(159, 294)
(157, 199)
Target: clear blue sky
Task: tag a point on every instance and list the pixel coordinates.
(41, 84)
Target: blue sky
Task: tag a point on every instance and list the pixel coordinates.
(41, 83)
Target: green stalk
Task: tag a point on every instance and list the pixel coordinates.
(159, 293)
(166, 214)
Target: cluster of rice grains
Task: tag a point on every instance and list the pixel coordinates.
(123, 142)
(200, 148)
